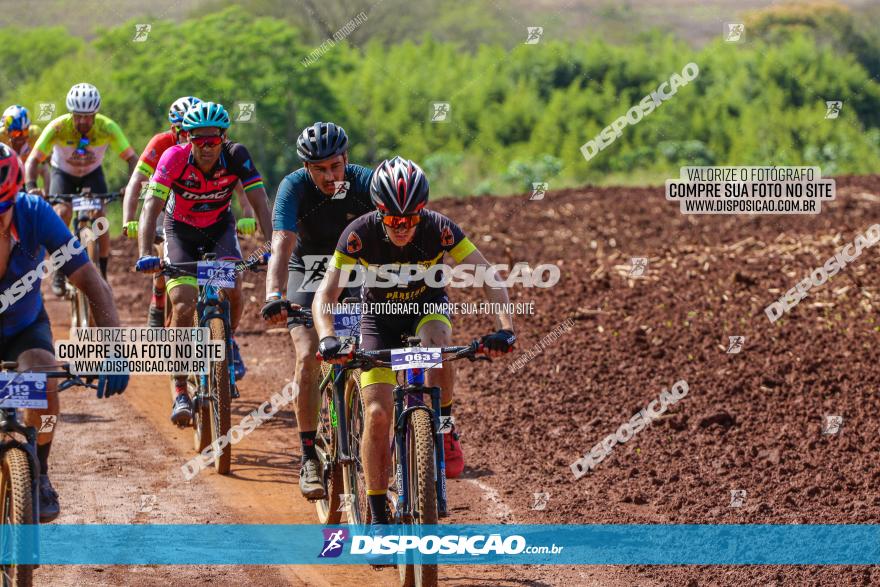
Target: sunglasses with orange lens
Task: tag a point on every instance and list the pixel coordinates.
(400, 221)
(206, 141)
(14, 134)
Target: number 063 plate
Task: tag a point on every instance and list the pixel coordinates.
(415, 358)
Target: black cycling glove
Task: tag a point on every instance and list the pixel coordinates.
(502, 340)
(329, 347)
(273, 308)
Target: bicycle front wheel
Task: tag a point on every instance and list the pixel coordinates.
(325, 446)
(355, 483)
(422, 492)
(220, 400)
(18, 509)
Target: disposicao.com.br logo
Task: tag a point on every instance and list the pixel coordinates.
(449, 544)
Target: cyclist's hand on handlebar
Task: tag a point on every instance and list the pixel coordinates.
(130, 229)
(112, 384)
(498, 343)
(274, 310)
(148, 264)
(247, 226)
(37, 192)
(329, 348)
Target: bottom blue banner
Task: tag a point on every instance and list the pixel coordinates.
(653, 544)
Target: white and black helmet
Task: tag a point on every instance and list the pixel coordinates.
(399, 187)
(83, 99)
(321, 141)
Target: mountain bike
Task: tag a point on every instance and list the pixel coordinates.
(20, 466)
(418, 493)
(87, 207)
(212, 393)
(339, 388)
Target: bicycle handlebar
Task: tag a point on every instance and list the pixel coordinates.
(72, 380)
(67, 198)
(361, 359)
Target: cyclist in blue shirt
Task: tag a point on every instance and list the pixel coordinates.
(313, 206)
(29, 228)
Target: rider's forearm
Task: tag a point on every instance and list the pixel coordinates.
(260, 201)
(328, 292)
(132, 193)
(497, 295)
(247, 211)
(30, 168)
(147, 230)
(283, 242)
(132, 164)
(89, 281)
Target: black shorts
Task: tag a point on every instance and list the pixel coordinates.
(390, 331)
(182, 242)
(304, 295)
(64, 183)
(36, 336)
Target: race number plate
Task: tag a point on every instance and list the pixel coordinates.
(415, 358)
(348, 323)
(86, 204)
(23, 390)
(219, 273)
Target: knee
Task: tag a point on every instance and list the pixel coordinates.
(378, 415)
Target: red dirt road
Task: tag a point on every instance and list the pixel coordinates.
(751, 421)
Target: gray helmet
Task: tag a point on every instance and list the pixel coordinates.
(399, 187)
(321, 141)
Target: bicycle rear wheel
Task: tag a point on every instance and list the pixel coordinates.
(325, 445)
(220, 400)
(422, 492)
(17, 506)
(355, 483)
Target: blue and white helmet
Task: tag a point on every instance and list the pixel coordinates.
(179, 107)
(205, 114)
(15, 118)
(83, 99)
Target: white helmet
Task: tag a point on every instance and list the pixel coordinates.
(83, 99)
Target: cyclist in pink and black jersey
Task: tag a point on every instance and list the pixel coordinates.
(200, 176)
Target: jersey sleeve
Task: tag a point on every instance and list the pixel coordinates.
(149, 159)
(118, 140)
(453, 239)
(54, 234)
(350, 245)
(167, 169)
(243, 166)
(362, 177)
(44, 144)
(286, 209)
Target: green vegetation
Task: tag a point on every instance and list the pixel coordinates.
(518, 115)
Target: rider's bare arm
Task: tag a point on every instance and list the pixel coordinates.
(132, 193)
(247, 211)
(493, 294)
(31, 167)
(89, 281)
(328, 292)
(283, 242)
(260, 201)
(147, 231)
(132, 161)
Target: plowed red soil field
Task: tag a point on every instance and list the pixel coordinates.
(751, 423)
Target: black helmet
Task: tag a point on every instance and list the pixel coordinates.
(399, 187)
(321, 141)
